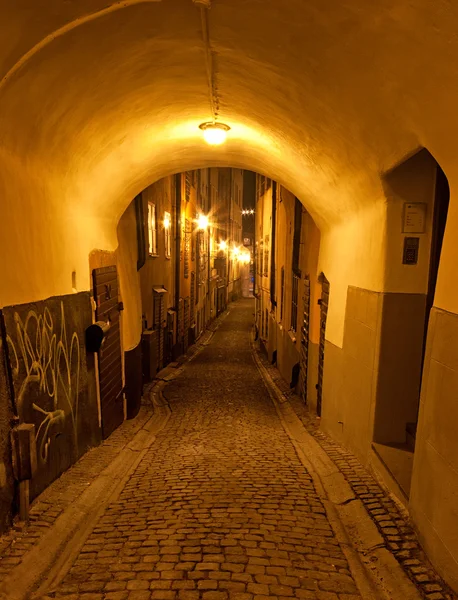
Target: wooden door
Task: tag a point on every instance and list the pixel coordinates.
(305, 331)
(158, 325)
(193, 298)
(186, 325)
(324, 303)
(106, 295)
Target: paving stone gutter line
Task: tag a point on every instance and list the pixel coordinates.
(383, 546)
(49, 557)
(36, 557)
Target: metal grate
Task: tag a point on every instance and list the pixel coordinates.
(158, 321)
(187, 247)
(324, 303)
(305, 332)
(188, 185)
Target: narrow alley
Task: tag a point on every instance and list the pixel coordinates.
(220, 504)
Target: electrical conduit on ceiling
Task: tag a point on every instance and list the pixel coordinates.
(204, 6)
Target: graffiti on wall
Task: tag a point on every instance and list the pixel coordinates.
(53, 380)
(45, 363)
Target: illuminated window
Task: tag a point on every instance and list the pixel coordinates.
(152, 229)
(168, 242)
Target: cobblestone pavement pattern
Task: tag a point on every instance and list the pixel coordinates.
(45, 510)
(220, 507)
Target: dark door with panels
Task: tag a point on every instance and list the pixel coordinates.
(159, 323)
(106, 295)
(187, 322)
(305, 332)
(324, 303)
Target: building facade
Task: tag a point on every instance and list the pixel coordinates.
(73, 367)
(385, 392)
(287, 287)
(185, 267)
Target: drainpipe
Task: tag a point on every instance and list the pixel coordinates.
(272, 249)
(177, 241)
(141, 239)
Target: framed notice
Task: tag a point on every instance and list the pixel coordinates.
(414, 220)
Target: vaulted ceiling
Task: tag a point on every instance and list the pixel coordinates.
(98, 99)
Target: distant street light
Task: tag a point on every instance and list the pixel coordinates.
(202, 222)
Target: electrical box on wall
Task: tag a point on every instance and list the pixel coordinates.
(410, 253)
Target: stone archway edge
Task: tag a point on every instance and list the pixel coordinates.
(114, 7)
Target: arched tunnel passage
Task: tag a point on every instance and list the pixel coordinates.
(230, 230)
(97, 100)
(189, 245)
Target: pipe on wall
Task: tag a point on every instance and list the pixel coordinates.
(177, 240)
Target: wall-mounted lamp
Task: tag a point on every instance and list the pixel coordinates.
(214, 133)
(222, 245)
(166, 220)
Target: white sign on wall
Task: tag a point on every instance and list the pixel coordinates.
(414, 217)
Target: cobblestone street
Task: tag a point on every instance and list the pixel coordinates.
(221, 505)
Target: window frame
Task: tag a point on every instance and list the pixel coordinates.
(168, 235)
(152, 229)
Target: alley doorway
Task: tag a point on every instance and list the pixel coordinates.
(419, 193)
(324, 304)
(305, 336)
(106, 290)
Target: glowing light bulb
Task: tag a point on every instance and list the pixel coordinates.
(214, 134)
(166, 222)
(202, 222)
(222, 245)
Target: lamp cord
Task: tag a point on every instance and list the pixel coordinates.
(209, 63)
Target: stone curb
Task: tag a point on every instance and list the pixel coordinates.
(50, 559)
(388, 515)
(47, 562)
(376, 572)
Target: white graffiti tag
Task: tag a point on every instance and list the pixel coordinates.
(42, 357)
